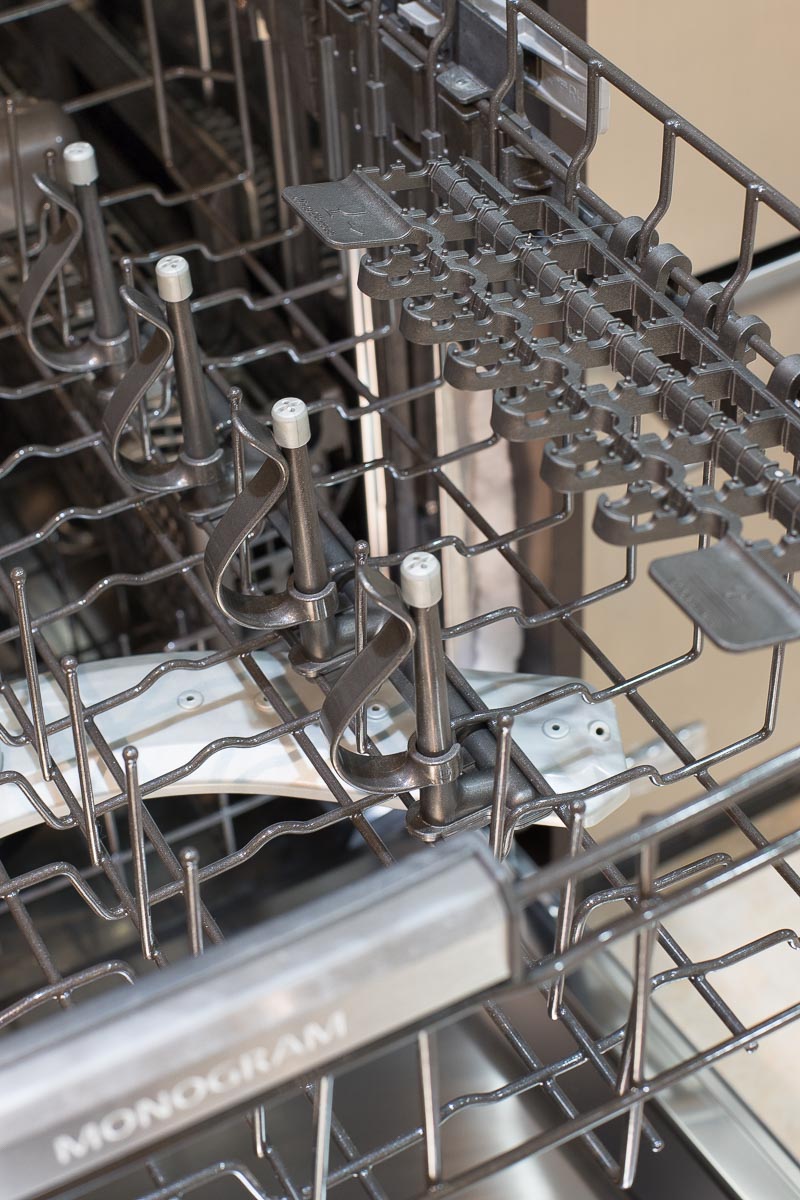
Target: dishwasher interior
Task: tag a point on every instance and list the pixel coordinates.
(388, 528)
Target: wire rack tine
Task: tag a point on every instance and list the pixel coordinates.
(427, 1054)
(497, 835)
(632, 1063)
(130, 756)
(566, 909)
(323, 1115)
(190, 862)
(360, 558)
(69, 665)
(18, 580)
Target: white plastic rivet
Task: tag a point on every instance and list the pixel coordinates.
(600, 730)
(174, 279)
(421, 579)
(80, 164)
(190, 700)
(290, 424)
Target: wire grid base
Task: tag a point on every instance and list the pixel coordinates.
(233, 831)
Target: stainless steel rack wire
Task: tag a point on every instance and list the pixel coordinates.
(506, 257)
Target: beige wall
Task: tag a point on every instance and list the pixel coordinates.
(729, 66)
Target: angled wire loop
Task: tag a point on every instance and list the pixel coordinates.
(149, 475)
(245, 515)
(371, 667)
(93, 353)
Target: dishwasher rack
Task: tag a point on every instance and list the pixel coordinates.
(483, 238)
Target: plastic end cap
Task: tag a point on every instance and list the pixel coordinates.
(290, 424)
(173, 278)
(80, 164)
(421, 580)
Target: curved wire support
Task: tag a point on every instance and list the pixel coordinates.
(382, 655)
(244, 516)
(150, 475)
(92, 354)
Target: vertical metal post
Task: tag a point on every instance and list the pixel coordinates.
(360, 555)
(370, 425)
(126, 266)
(264, 37)
(31, 672)
(631, 1071)
(421, 588)
(80, 168)
(260, 1132)
(432, 62)
(203, 48)
(174, 281)
(239, 480)
(69, 666)
(159, 88)
(130, 757)
(240, 90)
(190, 861)
(323, 1117)
(502, 765)
(429, 1080)
(506, 83)
(291, 429)
(566, 909)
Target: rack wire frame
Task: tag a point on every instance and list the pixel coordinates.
(618, 1055)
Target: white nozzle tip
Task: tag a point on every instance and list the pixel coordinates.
(174, 279)
(80, 164)
(421, 580)
(290, 424)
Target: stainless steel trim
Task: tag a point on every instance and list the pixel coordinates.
(90, 1087)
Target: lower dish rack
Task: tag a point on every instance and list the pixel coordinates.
(342, 853)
